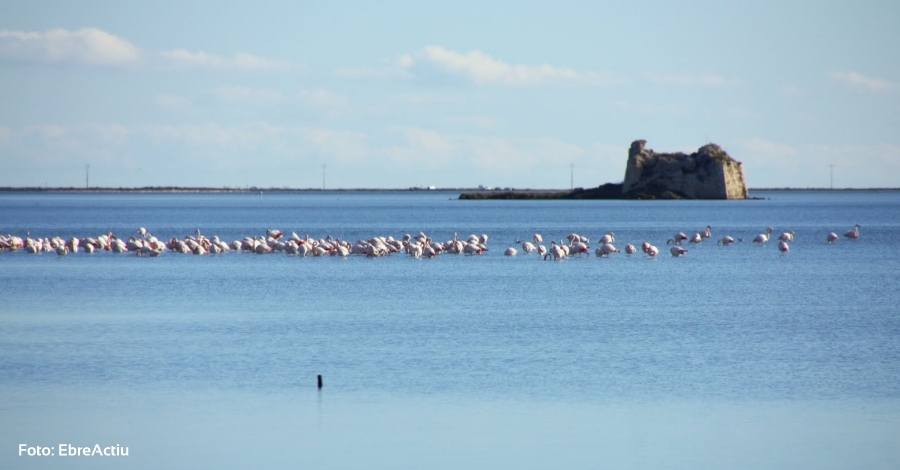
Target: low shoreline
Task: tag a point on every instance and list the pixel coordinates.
(498, 193)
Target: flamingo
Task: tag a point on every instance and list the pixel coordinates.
(579, 248)
(787, 236)
(725, 241)
(832, 237)
(472, 249)
(538, 238)
(652, 251)
(630, 249)
(303, 249)
(697, 238)
(679, 237)
(510, 251)
(853, 233)
(557, 252)
(783, 246)
(606, 249)
(763, 237)
(677, 251)
(608, 238)
(706, 233)
(542, 250)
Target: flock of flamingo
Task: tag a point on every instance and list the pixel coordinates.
(143, 243)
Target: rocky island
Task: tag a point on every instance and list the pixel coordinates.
(708, 173)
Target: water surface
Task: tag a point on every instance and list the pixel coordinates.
(735, 357)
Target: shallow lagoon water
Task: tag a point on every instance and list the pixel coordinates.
(736, 357)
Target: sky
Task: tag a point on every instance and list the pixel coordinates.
(449, 94)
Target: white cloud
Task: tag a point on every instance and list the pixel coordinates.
(429, 97)
(767, 149)
(344, 146)
(174, 102)
(324, 99)
(90, 46)
(371, 73)
(740, 113)
(480, 122)
(435, 150)
(245, 62)
(773, 164)
(396, 69)
(484, 69)
(690, 80)
(244, 95)
(652, 109)
(859, 81)
(404, 61)
(792, 90)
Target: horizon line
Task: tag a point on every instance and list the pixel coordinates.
(406, 189)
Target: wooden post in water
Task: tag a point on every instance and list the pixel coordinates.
(320, 380)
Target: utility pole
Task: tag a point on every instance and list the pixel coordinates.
(323, 177)
(87, 173)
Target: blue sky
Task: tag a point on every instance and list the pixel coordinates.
(456, 94)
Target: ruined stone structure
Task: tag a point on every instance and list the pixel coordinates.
(709, 173)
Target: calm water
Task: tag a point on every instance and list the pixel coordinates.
(729, 357)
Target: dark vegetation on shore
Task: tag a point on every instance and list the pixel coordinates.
(614, 191)
(606, 191)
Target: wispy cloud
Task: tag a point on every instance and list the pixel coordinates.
(397, 68)
(480, 122)
(324, 99)
(174, 102)
(859, 81)
(436, 150)
(792, 90)
(90, 46)
(766, 148)
(692, 80)
(486, 70)
(775, 164)
(249, 95)
(246, 62)
(419, 98)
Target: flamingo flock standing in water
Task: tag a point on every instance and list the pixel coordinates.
(144, 243)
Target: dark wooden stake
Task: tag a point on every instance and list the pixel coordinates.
(320, 381)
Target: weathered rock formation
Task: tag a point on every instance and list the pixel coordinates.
(708, 173)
